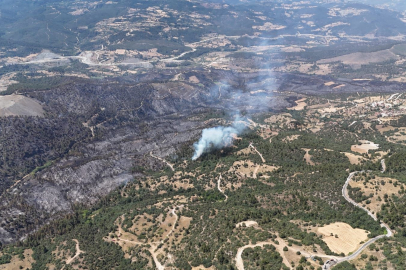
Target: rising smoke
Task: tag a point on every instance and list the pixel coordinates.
(218, 137)
(256, 95)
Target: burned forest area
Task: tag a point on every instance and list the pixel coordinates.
(191, 134)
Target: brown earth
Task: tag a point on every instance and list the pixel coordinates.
(354, 159)
(364, 147)
(247, 168)
(382, 128)
(355, 60)
(375, 187)
(300, 105)
(348, 239)
(16, 263)
(308, 157)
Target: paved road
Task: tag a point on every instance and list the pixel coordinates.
(365, 245)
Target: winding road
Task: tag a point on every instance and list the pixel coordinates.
(218, 187)
(238, 258)
(328, 263)
(279, 247)
(383, 225)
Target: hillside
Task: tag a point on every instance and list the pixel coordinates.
(202, 135)
(262, 192)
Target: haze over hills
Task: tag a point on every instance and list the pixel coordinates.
(202, 134)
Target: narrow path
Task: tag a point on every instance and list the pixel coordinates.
(174, 224)
(176, 58)
(255, 149)
(78, 252)
(17, 182)
(398, 96)
(86, 125)
(254, 174)
(392, 96)
(308, 157)
(163, 160)
(154, 254)
(158, 265)
(218, 187)
(154, 245)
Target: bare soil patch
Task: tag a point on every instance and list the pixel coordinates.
(339, 86)
(290, 138)
(248, 223)
(361, 263)
(201, 267)
(300, 105)
(308, 157)
(354, 159)
(7, 80)
(17, 264)
(194, 79)
(330, 109)
(364, 147)
(382, 128)
(377, 187)
(247, 168)
(399, 136)
(281, 119)
(348, 239)
(355, 60)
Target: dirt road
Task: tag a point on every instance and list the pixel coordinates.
(238, 259)
(254, 174)
(253, 147)
(163, 160)
(327, 265)
(218, 187)
(153, 245)
(78, 252)
(279, 248)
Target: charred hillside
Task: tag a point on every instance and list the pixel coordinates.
(100, 134)
(96, 135)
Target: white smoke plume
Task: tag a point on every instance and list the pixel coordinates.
(218, 137)
(248, 94)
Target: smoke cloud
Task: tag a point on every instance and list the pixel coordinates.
(239, 92)
(218, 137)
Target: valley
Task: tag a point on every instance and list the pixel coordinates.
(195, 134)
